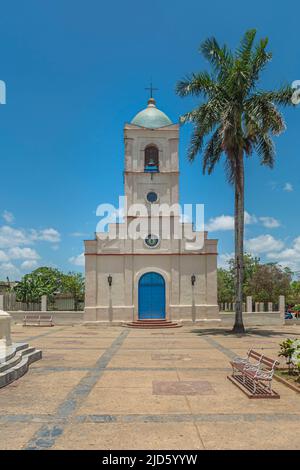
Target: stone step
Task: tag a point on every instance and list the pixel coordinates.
(28, 351)
(11, 362)
(142, 322)
(36, 355)
(9, 352)
(14, 373)
(18, 366)
(148, 324)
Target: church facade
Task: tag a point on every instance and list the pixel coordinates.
(160, 274)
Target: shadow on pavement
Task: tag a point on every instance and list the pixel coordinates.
(251, 331)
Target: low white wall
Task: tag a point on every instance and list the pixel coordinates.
(253, 319)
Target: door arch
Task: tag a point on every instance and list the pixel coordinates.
(152, 296)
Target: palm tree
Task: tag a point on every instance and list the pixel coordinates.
(236, 118)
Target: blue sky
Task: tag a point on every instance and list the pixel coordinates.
(75, 71)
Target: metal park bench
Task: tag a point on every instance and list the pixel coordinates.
(37, 320)
(254, 373)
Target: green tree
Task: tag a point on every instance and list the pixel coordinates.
(225, 286)
(73, 283)
(237, 118)
(250, 264)
(41, 281)
(293, 296)
(226, 278)
(268, 282)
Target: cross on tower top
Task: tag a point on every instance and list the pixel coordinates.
(151, 88)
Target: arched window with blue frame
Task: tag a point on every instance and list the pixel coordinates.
(151, 159)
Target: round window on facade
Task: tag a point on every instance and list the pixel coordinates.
(151, 240)
(152, 197)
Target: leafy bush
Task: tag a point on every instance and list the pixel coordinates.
(290, 349)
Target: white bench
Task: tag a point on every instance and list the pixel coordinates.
(37, 320)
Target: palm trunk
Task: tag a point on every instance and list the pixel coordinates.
(239, 244)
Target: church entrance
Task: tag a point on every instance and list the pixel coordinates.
(152, 296)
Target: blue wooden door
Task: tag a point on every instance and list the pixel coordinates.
(152, 303)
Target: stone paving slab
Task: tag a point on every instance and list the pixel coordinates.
(133, 379)
(131, 436)
(182, 387)
(35, 393)
(129, 400)
(13, 436)
(94, 390)
(250, 436)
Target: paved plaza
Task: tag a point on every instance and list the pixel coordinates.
(118, 388)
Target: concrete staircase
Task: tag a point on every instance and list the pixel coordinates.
(15, 360)
(149, 324)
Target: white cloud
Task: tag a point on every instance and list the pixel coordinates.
(9, 270)
(48, 234)
(3, 256)
(29, 264)
(223, 260)
(77, 260)
(226, 222)
(288, 187)
(8, 216)
(223, 222)
(263, 244)
(250, 219)
(10, 237)
(269, 222)
(79, 234)
(289, 256)
(22, 253)
(13, 237)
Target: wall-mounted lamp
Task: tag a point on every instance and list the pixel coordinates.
(109, 280)
(193, 279)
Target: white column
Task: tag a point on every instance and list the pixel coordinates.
(44, 303)
(282, 307)
(1, 302)
(270, 306)
(249, 304)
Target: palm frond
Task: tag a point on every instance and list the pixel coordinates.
(281, 97)
(260, 58)
(263, 113)
(219, 57)
(212, 152)
(265, 149)
(196, 84)
(244, 51)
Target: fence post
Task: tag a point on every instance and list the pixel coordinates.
(44, 303)
(249, 304)
(1, 302)
(282, 308)
(270, 306)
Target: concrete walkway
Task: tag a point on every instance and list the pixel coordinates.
(115, 388)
